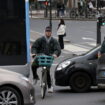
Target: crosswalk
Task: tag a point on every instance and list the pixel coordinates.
(78, 49)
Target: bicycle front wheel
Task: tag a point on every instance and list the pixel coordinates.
(43, 84)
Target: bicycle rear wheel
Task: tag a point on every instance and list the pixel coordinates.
(43, 84)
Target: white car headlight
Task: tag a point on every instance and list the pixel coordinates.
(63, 65)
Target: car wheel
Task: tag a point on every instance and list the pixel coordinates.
(9, 96)
(80, 82)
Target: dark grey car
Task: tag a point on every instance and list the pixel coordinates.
(78, 72)
(15, 89)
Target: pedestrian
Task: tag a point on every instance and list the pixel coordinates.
(80, 7)
(62, 10)
(61, 32)
(48, 46)
(90, 6)
(58, 8)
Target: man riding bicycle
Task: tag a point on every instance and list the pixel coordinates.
(48, 46)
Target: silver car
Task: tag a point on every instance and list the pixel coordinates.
(15, 89)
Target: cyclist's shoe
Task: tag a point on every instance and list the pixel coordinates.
(36, 77)
(50, 90)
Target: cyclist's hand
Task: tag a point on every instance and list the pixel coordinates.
(54, 55)
(33, 55)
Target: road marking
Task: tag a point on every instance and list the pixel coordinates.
(92, 43)
(75, 49)
(65, 51)
(37, 32)
(86, 38)
(80, 45)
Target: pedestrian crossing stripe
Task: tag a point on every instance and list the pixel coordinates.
(75, 49)
(92, 43)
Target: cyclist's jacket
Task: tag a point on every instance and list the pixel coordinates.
(41, 45)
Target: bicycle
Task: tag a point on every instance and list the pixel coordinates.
(45, 62)
(73, 13)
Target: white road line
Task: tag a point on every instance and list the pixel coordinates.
(86, 38)
(92, 43)
(80, 45)
(75, 49)
(65, 51)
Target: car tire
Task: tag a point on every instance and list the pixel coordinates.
(80, 82)
(9, 95)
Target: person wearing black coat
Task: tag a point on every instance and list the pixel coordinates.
(48, 46)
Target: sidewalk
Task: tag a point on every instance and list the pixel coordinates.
(40, 15)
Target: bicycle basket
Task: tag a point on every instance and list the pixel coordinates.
(44, 60)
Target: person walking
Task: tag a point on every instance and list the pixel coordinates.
(48, 46)
(90, 6)
(61, 32)
(62, 10)
(58, 8)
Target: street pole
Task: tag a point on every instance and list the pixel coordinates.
(98, 25)
(50, 17)
(46, 9)
(98, 32)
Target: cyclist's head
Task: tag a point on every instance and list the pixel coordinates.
(48, 31)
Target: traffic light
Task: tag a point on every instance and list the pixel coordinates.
(101, 21)
(46, 3)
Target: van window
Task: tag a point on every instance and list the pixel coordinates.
(12, 32)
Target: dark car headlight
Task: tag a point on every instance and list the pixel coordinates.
(63, 65)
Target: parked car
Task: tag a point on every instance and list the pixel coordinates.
(78, 72)
(15, 89)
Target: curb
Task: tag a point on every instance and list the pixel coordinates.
(77, 19)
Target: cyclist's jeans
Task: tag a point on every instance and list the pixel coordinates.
(34, 70)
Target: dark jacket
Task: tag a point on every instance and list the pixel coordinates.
(42, 46)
